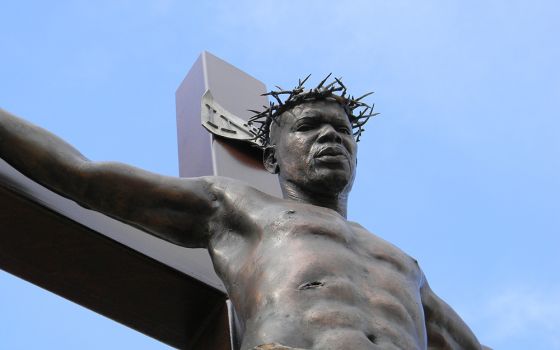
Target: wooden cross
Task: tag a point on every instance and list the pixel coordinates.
(164, 291)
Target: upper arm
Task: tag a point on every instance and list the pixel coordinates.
(445, 329)
(178, 210)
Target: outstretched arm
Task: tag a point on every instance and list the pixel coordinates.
(176, 209)
(446, 330)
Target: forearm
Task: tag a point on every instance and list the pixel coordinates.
(39, 154)
(175, 209)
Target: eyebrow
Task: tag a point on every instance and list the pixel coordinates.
(313, 114)
(318, 116)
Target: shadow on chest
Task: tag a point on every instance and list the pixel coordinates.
(307, 223)
(320, 233)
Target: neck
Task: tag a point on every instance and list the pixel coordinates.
(337, 202)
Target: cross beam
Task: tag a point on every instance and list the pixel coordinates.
(169, 293)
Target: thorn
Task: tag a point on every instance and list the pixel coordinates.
(330, 85)
(304, 80)
(339, 81)
(359, 124)
(323, 81)
(369, 93)
(278, 99)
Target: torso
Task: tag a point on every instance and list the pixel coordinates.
(305, 277)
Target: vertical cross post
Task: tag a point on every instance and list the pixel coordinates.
(202, 153)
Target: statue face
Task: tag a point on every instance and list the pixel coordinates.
(315, 148)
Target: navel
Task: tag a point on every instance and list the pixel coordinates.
(311, 285)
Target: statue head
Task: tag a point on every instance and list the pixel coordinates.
(312, 146)
(310, 138)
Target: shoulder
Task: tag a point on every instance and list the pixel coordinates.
(383, 250)
(232, 191)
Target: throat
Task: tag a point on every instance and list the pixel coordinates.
(335, 201)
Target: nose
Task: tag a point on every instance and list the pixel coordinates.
(329, 134)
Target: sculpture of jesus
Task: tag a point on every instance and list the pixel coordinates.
(299, 274)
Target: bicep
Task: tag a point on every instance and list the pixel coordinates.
(175, 209)
(444, 327)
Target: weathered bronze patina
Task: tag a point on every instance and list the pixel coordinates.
(299, 274)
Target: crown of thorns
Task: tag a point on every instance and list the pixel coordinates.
(358, 112)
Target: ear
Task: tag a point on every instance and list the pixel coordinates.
(269, 160)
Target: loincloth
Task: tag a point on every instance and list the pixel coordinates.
(274, 346)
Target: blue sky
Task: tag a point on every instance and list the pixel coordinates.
(461, 170)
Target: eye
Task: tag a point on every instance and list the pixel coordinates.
(344, 130)
(304, 127)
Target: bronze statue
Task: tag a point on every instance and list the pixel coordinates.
(299, 274)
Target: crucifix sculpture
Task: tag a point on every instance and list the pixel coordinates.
(299, 274)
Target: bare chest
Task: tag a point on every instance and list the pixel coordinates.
(305, 247)
(297, 240)
(321, 236)
(315, 268)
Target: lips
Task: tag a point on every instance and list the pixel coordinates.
(332, 153)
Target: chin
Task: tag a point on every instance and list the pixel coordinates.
(333, 181)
